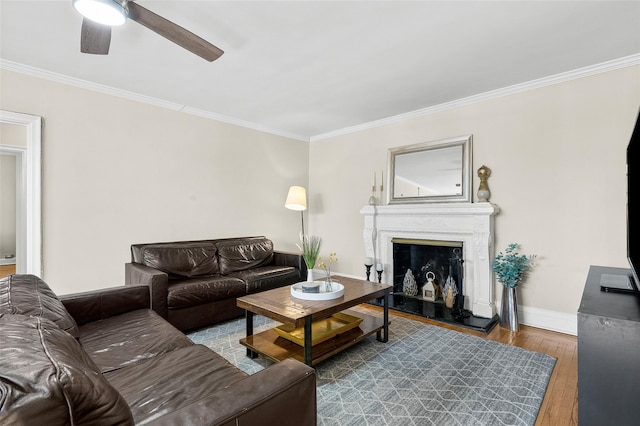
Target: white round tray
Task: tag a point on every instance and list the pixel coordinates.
(338, 291)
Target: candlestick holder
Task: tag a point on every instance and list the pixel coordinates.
(368, 271)
(373, 200)
(379, 270)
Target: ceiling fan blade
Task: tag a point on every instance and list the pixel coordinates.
(95, 38)
(173, 32)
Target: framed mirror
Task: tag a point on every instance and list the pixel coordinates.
(431, 172)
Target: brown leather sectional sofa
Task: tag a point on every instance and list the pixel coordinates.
(196, 283)
(105, 358)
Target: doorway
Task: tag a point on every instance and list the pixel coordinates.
(20, 236)
(11, 205)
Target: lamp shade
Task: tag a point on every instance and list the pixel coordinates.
(296, 199)
(106, 12)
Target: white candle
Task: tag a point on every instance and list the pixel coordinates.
(368, 261)
(378, 266)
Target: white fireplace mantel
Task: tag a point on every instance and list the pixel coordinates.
(469, 223)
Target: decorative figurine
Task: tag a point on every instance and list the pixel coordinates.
(409, 286)
(483, 190)
(450, 291)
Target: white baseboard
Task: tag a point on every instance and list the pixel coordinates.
(548, 320)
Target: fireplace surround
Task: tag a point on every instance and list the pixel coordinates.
(471, 224)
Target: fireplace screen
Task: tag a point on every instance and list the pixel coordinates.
(425, 269)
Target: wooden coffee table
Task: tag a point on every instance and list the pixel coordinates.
(279, 305)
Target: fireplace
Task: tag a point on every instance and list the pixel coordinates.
(463, 227)
(427, 263)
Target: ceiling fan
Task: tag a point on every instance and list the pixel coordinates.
(101, 15)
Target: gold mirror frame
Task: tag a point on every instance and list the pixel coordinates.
(431, 172)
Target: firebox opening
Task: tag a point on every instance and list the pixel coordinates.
(422, 269)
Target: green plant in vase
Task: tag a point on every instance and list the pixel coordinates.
(510, 268)
(310, 250)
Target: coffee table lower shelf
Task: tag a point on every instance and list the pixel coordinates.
(276, 348)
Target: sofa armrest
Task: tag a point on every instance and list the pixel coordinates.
(281, 258)
(100, 304)
(157, 281)
(283, 394)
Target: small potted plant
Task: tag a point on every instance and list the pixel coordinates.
(510, 268)
(310, 249)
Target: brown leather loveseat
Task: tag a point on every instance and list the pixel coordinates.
(104, 358)
(196, 283)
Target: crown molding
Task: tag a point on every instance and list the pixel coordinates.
(510, 90)
(242, 123)
(108, 90)
(493, 94)
(84, 84)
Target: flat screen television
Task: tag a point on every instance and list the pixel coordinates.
(622, 283)
(633, 200)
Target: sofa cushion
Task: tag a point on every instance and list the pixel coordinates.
(244, 253)
(168, 382)
(28, 295)
(189, 259)
(129, 338)
(198, 291)
(267, 277)
(47, 379)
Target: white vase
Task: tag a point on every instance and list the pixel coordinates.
(309, 275)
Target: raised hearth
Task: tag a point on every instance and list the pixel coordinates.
(438, 312)
(469, 223)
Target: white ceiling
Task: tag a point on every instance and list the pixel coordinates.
(307, 68)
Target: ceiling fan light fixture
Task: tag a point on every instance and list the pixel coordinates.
(106, 12)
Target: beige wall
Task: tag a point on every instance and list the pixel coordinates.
(117, 172)
(558, 159)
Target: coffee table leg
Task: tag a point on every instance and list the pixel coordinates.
(249, 317)
(307, 341)
(385, 322)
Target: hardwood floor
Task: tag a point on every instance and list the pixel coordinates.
(560, 405)
(7, 270)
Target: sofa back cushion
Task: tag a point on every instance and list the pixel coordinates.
(188, 259)
(244, 253)
(28, 295)
(47, 378)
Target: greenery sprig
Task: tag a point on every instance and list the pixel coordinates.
(511, 266)
(310, 249)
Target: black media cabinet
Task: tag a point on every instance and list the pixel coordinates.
(608, 354)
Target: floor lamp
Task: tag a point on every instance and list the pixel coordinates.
(297, 200)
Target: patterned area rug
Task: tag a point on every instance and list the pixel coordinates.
(424, 375)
